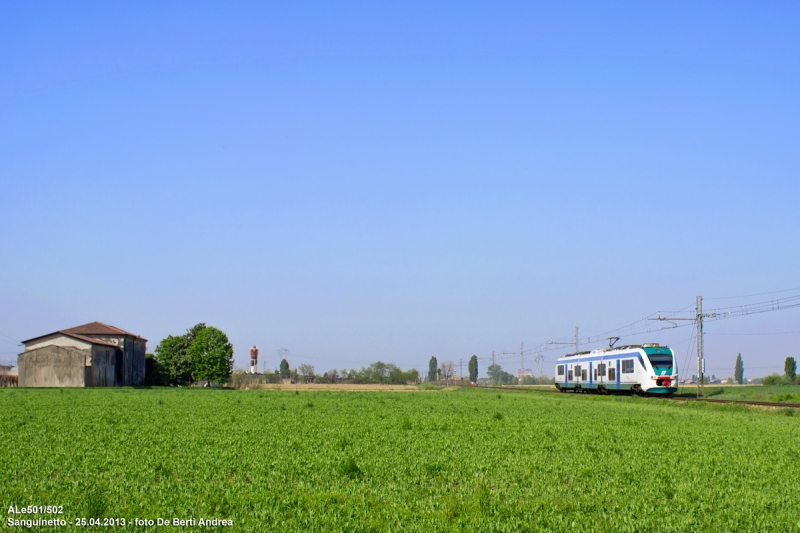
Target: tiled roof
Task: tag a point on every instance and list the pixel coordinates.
(74, 336)
(98, 328)
(92, 328)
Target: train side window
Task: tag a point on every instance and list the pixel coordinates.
(627, 366)
(595, 374)
(560, 370)
(583, 374)
(601, 369)
(577, 370)
(612, 373)
(570, 375)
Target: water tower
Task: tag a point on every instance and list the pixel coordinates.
(254, 360)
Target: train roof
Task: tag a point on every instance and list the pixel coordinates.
(649, 348)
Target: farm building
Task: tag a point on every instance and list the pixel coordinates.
(91, 355)
(8, 375)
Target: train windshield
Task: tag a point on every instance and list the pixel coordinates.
(660, 361)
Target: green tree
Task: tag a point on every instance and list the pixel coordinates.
(738, 370)
(395, 374)
(433, 369)
(153, 373)
(790, 369)
(498, 376)
(284, 368)
(411, 375)
(212, 356)
(306, 370)
(377, 372)
(472, 366)
(192, 333)
(495, 374)
(173, 360)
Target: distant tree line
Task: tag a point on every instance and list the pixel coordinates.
(377, 372)
(498, 376)
(203, 353)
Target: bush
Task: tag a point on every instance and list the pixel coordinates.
(241, 379)
(775, 379)
(785, 398)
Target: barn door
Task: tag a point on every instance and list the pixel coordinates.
(118, 368)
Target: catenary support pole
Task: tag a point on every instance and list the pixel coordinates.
(700, 361)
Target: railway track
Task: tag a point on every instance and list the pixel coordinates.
(673, 398)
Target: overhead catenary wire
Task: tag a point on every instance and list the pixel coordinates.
(751, 295)
(8, 338)
(787, 302)
(643, 325)
(720, 313)
(759, 334)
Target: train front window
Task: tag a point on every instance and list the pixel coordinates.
(660, 362)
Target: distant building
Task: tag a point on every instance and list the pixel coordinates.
(522, 372)
(8, 375)
(91, 355)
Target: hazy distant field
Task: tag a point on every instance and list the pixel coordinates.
(464, 460)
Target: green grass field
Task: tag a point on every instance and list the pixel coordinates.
(466, 460)
(761, 393)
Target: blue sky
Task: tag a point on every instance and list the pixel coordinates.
(363, 181)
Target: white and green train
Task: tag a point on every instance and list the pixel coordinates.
(640, 369)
